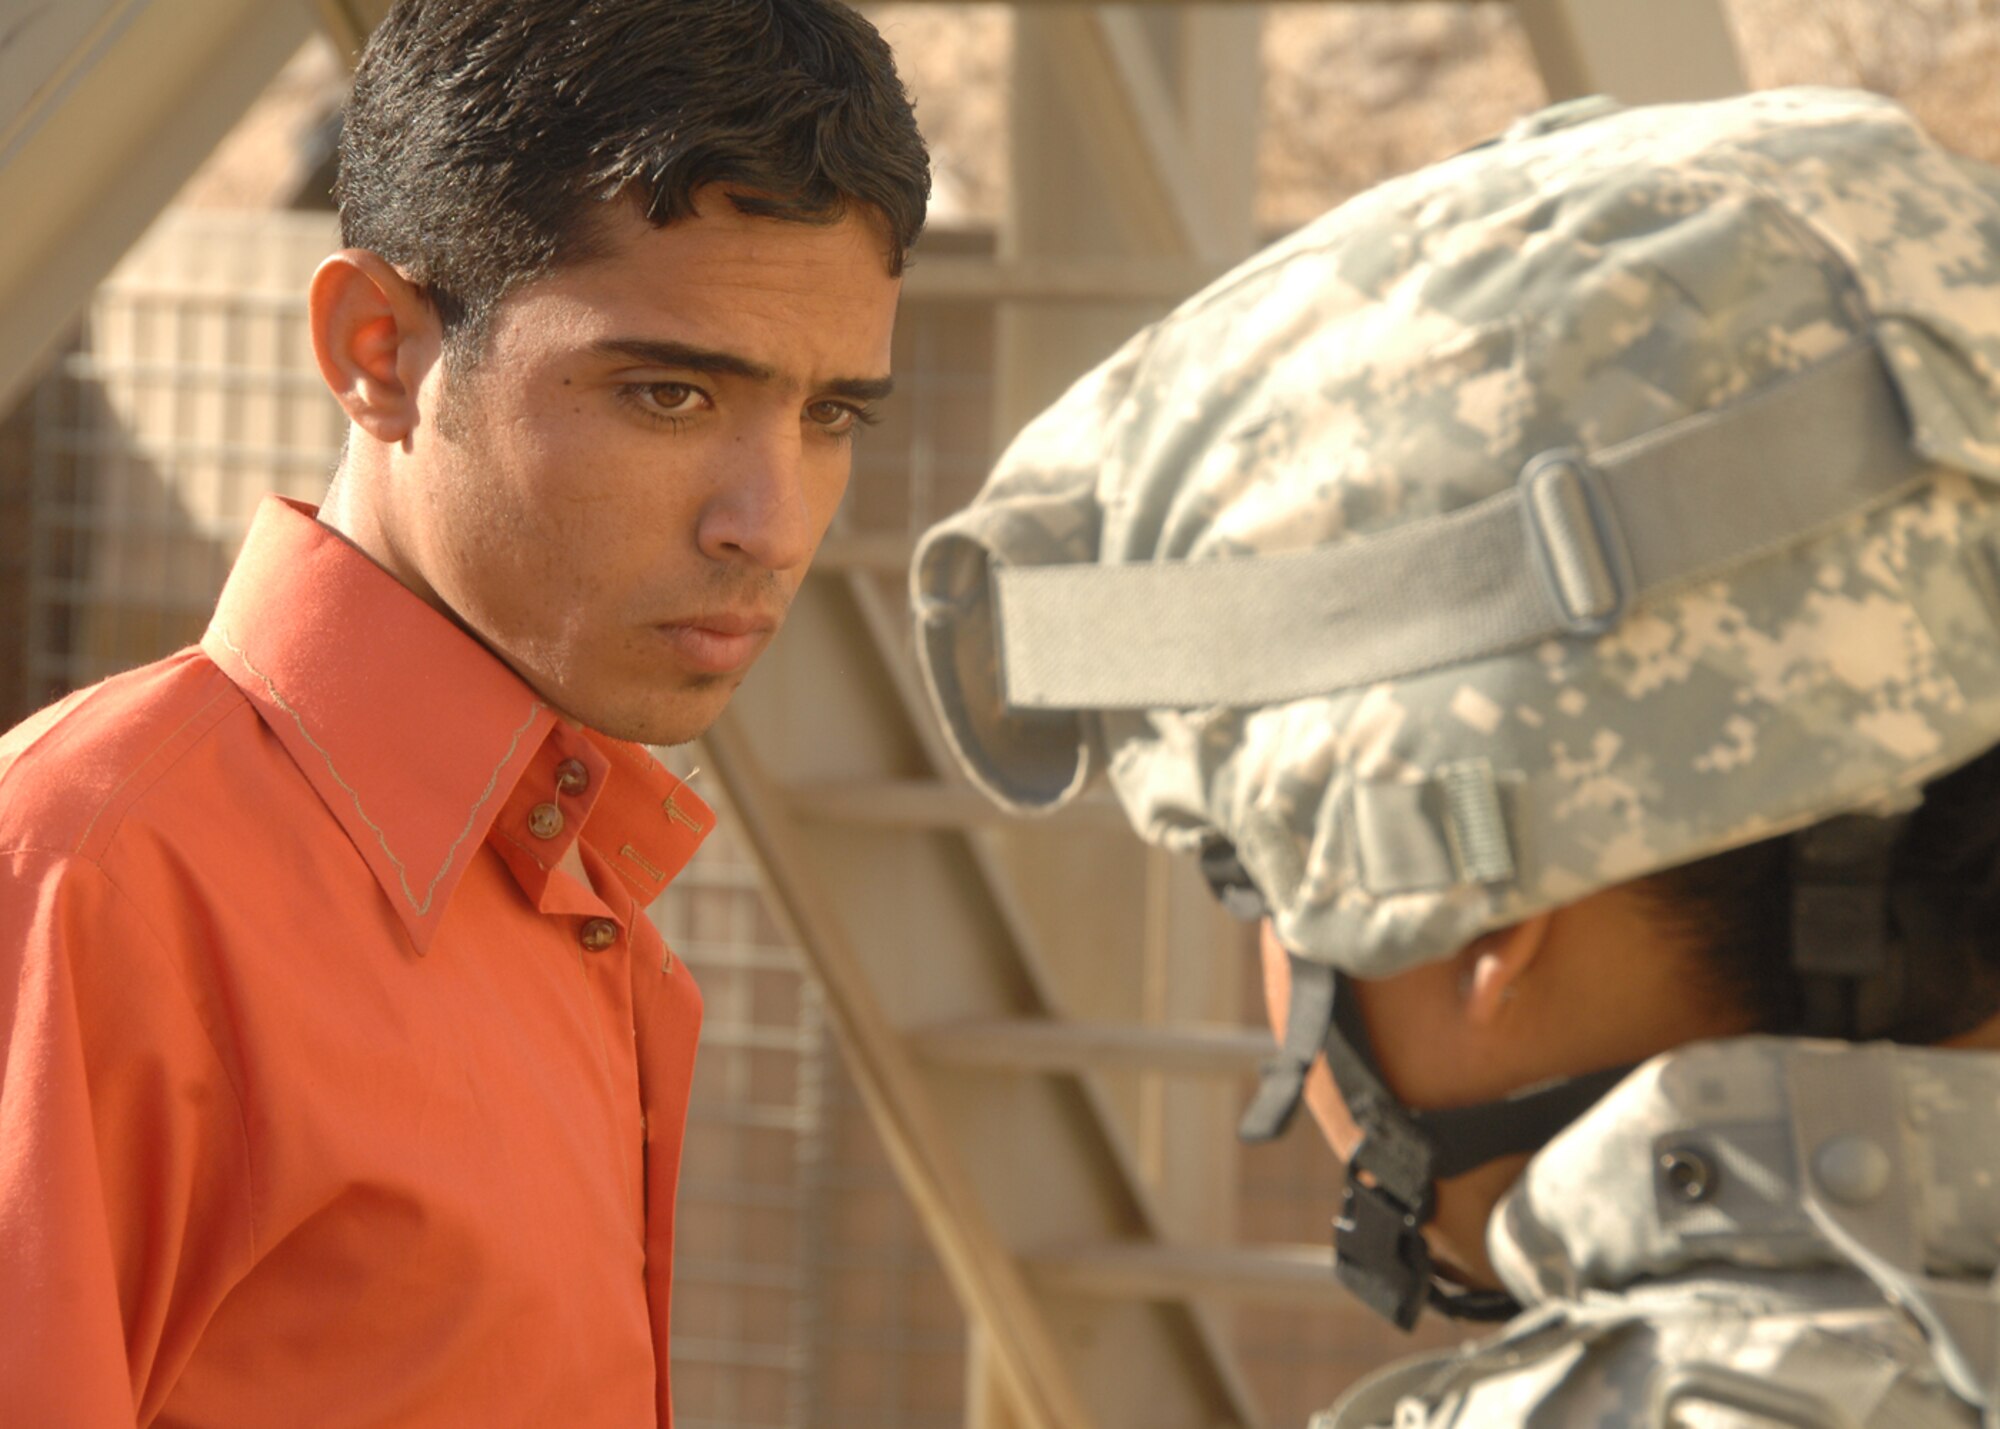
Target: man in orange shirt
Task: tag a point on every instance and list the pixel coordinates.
(344, 1076)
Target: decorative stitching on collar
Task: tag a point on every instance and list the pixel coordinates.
(422, 906)
(676, 813)
(632, 854)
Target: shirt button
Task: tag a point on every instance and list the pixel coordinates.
(545, 821)
(572, 777)
(597, 934)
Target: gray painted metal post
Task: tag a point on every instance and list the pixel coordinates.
(1637, 51)
(118, 113)
(1134, 141)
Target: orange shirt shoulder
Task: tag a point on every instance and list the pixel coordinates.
(329, 1096)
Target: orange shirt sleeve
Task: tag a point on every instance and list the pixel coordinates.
(125, 1188)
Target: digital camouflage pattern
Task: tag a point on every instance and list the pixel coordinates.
(1589, 277)
(1833, 1269)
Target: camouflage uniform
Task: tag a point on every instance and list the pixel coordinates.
(1756, 1230)
(1509, 341)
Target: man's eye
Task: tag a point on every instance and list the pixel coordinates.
(667, 399)
(839, 419)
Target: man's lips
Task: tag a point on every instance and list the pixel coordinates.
(718, 642)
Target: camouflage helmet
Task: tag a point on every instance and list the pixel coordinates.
(1611, 495)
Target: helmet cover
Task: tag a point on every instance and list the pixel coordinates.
(1592, 277)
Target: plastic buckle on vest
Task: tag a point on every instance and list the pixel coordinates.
(1578, 549)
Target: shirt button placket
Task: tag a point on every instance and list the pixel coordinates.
(597, 934)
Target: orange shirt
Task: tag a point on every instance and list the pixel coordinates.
(327, 1098)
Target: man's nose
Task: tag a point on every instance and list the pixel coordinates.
(760, 512)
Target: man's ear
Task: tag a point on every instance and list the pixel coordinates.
(1494, 964)
(375, 335)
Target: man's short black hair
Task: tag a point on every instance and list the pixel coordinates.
(483, 136)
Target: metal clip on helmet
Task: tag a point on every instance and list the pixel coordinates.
(1609, 496)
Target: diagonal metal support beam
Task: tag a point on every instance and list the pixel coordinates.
(926, 803)
(919, 1143)
(1274, 1275)
(106, 107)
(887, 629)
(909, 927)
(348, 23)
(1044, 1045)
(1114, 75)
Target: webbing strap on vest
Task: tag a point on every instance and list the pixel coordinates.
(1567, 551)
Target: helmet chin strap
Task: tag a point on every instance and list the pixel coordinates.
(1851, 924)
(1391, 1193)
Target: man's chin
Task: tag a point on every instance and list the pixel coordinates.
(679, 719)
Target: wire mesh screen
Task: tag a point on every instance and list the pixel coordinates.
(804, 1291)
(746, 1292)
(189, 392)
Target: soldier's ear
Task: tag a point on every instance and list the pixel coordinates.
(375, 335)
(1496, 964)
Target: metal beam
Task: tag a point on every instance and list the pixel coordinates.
(927, 804)
(1058, 279)
(1160, 1197)
(1117, 81)
(349, 23)
(1104, 170)
(43, 51)
(936, 933)
(1172, 4)
(1039, 1045)
(1636, 51)
(123, 102)
(919, 1144)
(1269, 1275)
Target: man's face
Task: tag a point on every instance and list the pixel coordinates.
(621, 496)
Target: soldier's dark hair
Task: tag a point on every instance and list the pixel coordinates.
(1734, 910)
(484, 138)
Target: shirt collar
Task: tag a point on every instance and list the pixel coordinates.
(413, 733)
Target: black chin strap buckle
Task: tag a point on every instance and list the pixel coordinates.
(1379, 1249)
(1379, 1252)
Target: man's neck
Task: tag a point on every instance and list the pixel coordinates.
(353, 510)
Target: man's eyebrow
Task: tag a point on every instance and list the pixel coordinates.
(655, 352)
(862, 389)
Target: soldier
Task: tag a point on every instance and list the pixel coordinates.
(1559, 593)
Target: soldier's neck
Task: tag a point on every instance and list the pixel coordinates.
(1985, 1037)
